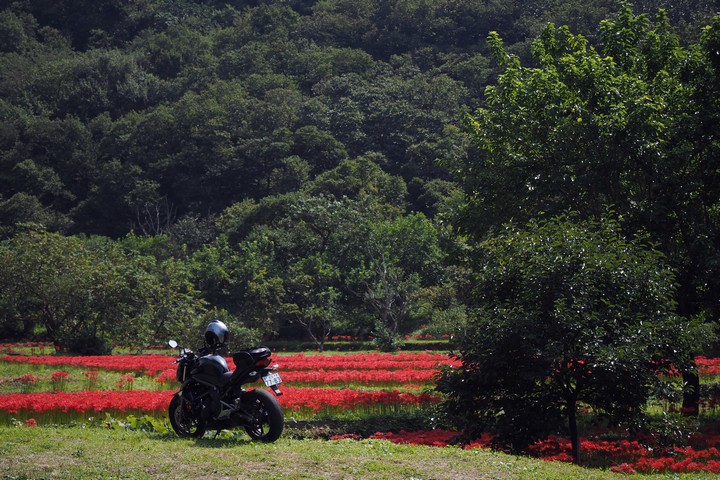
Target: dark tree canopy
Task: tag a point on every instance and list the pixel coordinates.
(566, 312)
(632, 125)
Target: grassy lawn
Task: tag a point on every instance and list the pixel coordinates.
(61, 448)
(92, 453)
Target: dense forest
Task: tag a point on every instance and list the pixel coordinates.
(288, 166)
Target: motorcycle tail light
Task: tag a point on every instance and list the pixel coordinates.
(263, 362)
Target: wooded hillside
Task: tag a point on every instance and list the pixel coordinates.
(283, 161)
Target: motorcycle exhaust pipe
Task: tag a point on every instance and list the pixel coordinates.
(242, 419)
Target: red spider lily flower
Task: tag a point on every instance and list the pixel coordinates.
(317, 399)
(30, 422)
(126, 382)
(28, 379)
(57, 376)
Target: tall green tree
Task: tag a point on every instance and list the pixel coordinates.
(392, 261)
(85, 294)
(566, 311)
(632, 125)
(312, 286)
(54, 282)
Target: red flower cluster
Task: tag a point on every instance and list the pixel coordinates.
(126, 382)
(91, 379)
(629, 456)
(153, 364)
(367, 361)
(435, 438)
(363, 377)
(26, 345)
(317, 399)
(365, 369)
(146, 364)
(166, 376)
(34, 347)
(85, 401)
(29, 379)
(558, 448)
(623, 456)
(58, 380)
(708, 366)
(686, 460)
(314, 399)
(58, 376)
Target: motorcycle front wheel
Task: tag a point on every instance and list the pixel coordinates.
(268, 415)
(184, 419)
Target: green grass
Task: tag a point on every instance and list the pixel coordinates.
(10, 379)
(94, 453)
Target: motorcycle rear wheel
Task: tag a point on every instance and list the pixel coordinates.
(184, 420)
(266, 410)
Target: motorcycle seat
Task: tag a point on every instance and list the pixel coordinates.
(248, 357)
(243, 360)
(259, 352)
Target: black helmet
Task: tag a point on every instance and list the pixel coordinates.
(216, 334)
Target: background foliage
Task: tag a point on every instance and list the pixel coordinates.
(279, 161)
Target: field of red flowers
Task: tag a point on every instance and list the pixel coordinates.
(63, 389)
(313, 384)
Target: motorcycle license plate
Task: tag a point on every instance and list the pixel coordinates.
(271, 379)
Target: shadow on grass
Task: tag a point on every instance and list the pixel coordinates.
(316, 429)
(226, 438)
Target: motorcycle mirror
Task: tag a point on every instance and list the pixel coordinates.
(173, 344)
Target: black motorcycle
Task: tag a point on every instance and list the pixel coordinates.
(213, 398)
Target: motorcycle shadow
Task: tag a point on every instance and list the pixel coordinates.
(223, 440)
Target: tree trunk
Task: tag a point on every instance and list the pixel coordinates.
(691, 393)
(572, 425)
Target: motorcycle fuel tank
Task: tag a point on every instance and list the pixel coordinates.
(211, 369)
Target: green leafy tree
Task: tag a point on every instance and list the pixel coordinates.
(566, 312)
(177, 50)
(57, 283)
(245, 280)
(21, 209)
(52, 160)
(283, 255)
(631, 125)
(86, 294)
(119, 199)
(13, 37)
(362, 179)
(392, 261)
(168, 307)
(311, 284)
(264, 302)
